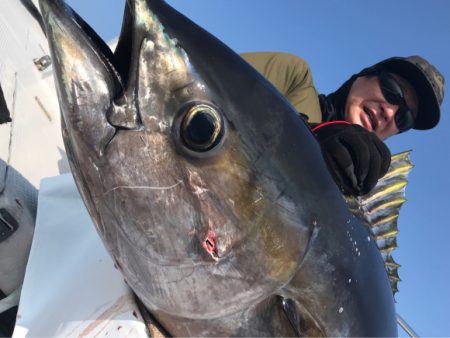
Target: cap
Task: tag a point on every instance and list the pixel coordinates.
(426, 80)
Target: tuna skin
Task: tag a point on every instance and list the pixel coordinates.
(206, 187)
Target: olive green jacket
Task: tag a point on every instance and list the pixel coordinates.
(292, 77)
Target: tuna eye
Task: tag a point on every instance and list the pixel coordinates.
(202, 128)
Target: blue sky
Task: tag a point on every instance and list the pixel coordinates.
(338, 38)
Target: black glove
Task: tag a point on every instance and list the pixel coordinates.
(356, 157)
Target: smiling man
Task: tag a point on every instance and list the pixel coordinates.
(388, 98)
(374, 101)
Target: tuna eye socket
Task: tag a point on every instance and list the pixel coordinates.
(202, 128)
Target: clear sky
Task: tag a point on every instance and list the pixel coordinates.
(338, 38)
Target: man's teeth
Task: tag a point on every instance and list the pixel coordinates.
(371, 117)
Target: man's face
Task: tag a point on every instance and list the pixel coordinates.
(367, 107)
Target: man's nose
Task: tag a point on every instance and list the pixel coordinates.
(388, 111)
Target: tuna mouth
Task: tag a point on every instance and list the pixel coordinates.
(371, 115)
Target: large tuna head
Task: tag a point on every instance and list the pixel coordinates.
(206, 187)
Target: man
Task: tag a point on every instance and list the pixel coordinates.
(388, 98)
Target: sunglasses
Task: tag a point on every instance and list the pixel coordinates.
(393, 93)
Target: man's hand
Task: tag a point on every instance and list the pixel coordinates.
(356, 157)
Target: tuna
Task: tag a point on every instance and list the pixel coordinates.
(208, 190)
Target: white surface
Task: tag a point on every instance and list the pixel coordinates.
(71, 287)
(32, 142)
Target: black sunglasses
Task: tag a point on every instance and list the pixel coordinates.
(393, 93)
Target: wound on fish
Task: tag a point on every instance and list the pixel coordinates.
(209, 244)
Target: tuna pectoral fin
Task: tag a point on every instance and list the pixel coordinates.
(85, 77)
(302, 323)
(265, 319)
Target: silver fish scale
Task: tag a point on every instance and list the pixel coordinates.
(379, 210)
